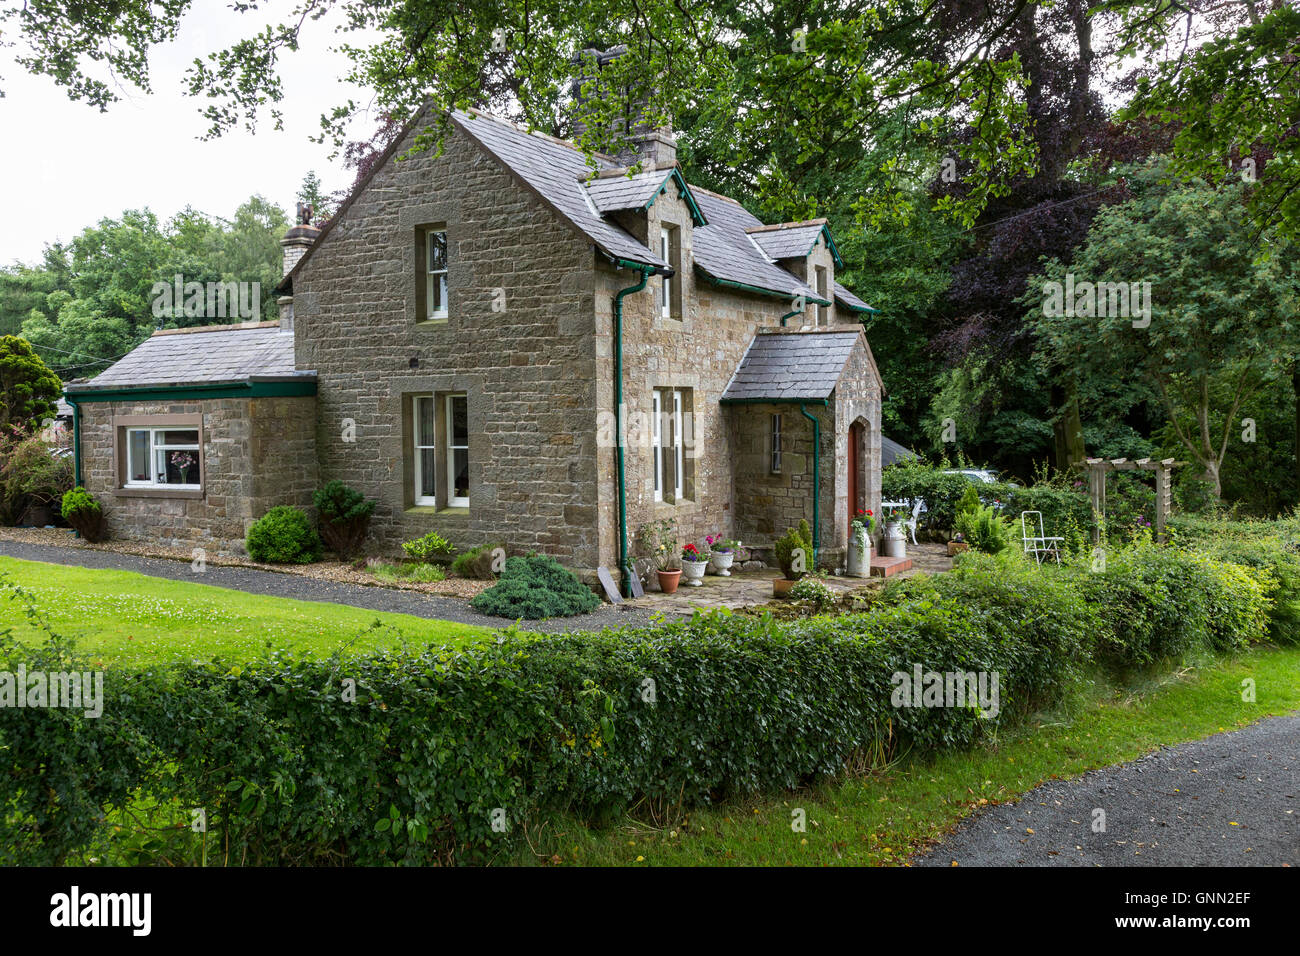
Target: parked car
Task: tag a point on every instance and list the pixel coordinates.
(985, 476)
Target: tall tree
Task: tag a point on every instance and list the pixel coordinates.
(28, 389)
(1190, 307)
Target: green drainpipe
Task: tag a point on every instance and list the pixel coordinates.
(789, 315)
(76, 445)
(626, 576)
(817, 478)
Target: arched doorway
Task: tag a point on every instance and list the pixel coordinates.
(856, 468)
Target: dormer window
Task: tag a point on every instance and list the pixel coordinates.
(823, 311)
(668, 297)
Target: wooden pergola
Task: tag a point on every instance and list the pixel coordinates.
(1097, 469)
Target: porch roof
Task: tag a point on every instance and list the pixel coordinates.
(791, 365)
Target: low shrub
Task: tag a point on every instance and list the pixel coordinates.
(535, 587)
(80, 510)
(984, 529)
(789, 547)
(410, 573)
(344, 517)
(429, 547)
(478, 562)
(815, 592)
(284, 535)
(32, 472)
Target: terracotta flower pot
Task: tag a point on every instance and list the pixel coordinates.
(781, 587)
(668, 580)
(957, 547)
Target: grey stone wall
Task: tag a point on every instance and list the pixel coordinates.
(257, 453)
(529, 370)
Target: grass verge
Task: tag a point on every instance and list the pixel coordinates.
(128, 618)
(883, 818)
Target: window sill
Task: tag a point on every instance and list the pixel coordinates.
(158, 492)
(431, 323)
(441, 512)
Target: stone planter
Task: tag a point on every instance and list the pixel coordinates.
(957, 547)
(720, 562)
(894, 544)
(693, 572)
(859, 559)
(668, 580)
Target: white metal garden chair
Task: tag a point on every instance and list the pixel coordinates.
(1039, 545)
(918, 506)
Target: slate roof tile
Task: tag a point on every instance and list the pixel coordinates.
(195, 358)
(791, 365)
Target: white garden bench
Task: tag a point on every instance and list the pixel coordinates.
(917, 506)
(1039, 545)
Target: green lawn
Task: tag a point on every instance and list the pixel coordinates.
(883, 818)
(131, 618)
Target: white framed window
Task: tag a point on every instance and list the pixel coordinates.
(776, 444)
(166, 457)
(656, 433)
(458, 450)
(426, 448)
(666, 287)
(435, 274)
(669, 446)
(823, 312)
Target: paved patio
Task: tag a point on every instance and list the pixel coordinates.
(752, 588)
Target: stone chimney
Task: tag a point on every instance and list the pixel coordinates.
(653, 148)
(295, 244)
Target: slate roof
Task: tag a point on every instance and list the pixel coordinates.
(724, 250)
(204, 356)
(892, 451)
(791, 366)
(792, 241)
(560, 175)
(553, 171)
(851, 300)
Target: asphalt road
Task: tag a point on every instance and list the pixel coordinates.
(1228, 800)
(255, 581)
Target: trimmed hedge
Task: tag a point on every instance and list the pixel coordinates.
(424, 756)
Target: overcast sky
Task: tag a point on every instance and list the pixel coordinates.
(65, 165)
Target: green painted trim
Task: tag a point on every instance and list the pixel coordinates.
(194, 392)
(625, 571)
(830, 244)
(824, 402)
(684, 191)
(790, 315)
(817, 478)
(770, 293)
(853, 308)
(76, 443)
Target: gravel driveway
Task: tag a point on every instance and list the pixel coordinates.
(254, 581)
(1228, 800)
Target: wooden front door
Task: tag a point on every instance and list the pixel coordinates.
(855, 444)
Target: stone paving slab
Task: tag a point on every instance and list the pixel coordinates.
(754, 588)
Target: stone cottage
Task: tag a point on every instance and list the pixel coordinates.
(504, 345)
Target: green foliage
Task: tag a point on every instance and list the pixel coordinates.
(815, 592)
(429, 547)
(80, 509)
(535, 588)
(791, 544)
(445, 754)
(31, 474)
(1219, 320)
(344, 517)
(985, 530)
(477, 562)
(28, 389)
(284, 535)
(417, 573)
(970, 501)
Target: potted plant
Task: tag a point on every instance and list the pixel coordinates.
(863, 526)
(694, 563)
(957, 545)
(721, 554)
(659, 539)
(794, 554)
